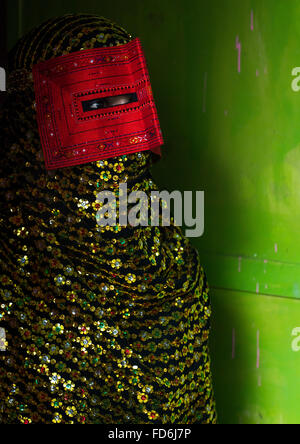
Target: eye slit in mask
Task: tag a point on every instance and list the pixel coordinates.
(108, 102)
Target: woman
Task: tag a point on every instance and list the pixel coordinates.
(99, 324)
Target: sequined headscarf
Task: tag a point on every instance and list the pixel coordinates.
(103, 325)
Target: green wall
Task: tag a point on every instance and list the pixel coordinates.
(221, 72)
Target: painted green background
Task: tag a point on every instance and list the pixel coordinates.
(235, 135)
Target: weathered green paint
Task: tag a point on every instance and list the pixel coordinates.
(256, 358)
(236, 136)
(253, 275)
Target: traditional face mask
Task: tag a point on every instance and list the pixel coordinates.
(95, 104)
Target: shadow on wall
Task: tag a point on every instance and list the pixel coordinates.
(225, 331)
(3, 51)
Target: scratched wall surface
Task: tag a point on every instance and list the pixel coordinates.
(229, 108)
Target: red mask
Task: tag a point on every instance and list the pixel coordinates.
(95, 104)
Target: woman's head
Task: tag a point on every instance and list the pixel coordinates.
(20, 138)
(118, 81)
